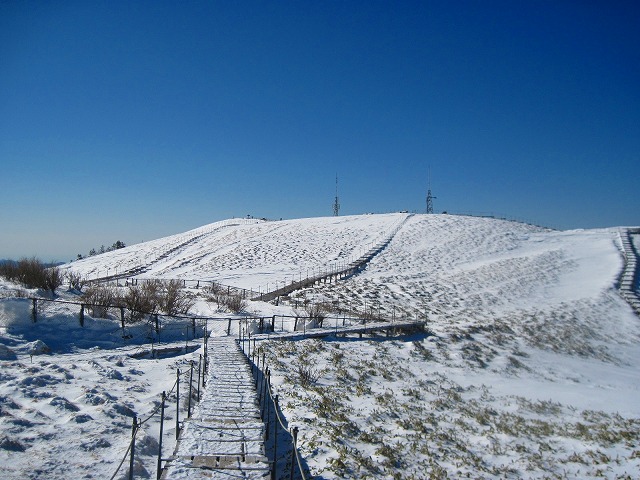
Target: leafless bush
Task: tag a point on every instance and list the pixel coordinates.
(234, 302)
(53, 279)
(215, 292)
(149, 297)
(307, 375)
(9, 270)
(316, 311)
(142, 299)
(32, 273)
(76, 282)
(174, 300)
(98, 299)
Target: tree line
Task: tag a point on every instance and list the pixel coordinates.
(116, 246)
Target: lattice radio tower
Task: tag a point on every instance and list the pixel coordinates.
(430, 197)
(336, 203)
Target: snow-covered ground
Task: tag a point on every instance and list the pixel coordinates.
(248, 253)
(529, 368)
(67, 402)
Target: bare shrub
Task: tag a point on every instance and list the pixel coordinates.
(307, 375)
(98, 299)
(142, 299)
(32, 273)
(215, 292)
(9, 270)
(174, 300)
(53, 279)
(317, 312)
(234, 302)
(76, 282)
(215, 287)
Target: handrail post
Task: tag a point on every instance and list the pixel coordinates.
(253, 353)
(134, 425)
(159, 470)
(266, 406)
(190, 391)
(266, 381)
(199, 368)
(294, 432)
(275, 439)
(177, 403)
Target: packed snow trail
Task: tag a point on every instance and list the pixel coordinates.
(224, 436)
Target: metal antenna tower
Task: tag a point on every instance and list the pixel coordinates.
(430, 197)
(336, 204)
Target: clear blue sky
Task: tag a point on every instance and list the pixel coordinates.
(134, 120)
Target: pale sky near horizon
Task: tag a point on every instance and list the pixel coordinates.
(135, 120)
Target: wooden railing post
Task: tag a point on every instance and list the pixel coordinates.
(199, 369)
(294, 432)
(134, 427)
(190, 391)
(177, 403)
(275, 439)
(159, 470)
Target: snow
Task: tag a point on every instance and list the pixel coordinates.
(529, 368)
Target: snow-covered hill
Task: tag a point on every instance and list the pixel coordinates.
(246, 253)
(529, 368)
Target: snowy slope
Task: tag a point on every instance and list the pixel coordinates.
(529, 370)
(247, 253)
(527, 329)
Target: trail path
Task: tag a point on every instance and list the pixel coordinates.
(224, 436)
(631, 273)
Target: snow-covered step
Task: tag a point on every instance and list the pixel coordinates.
(629, 278)
(222, 468)
(224, 438)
